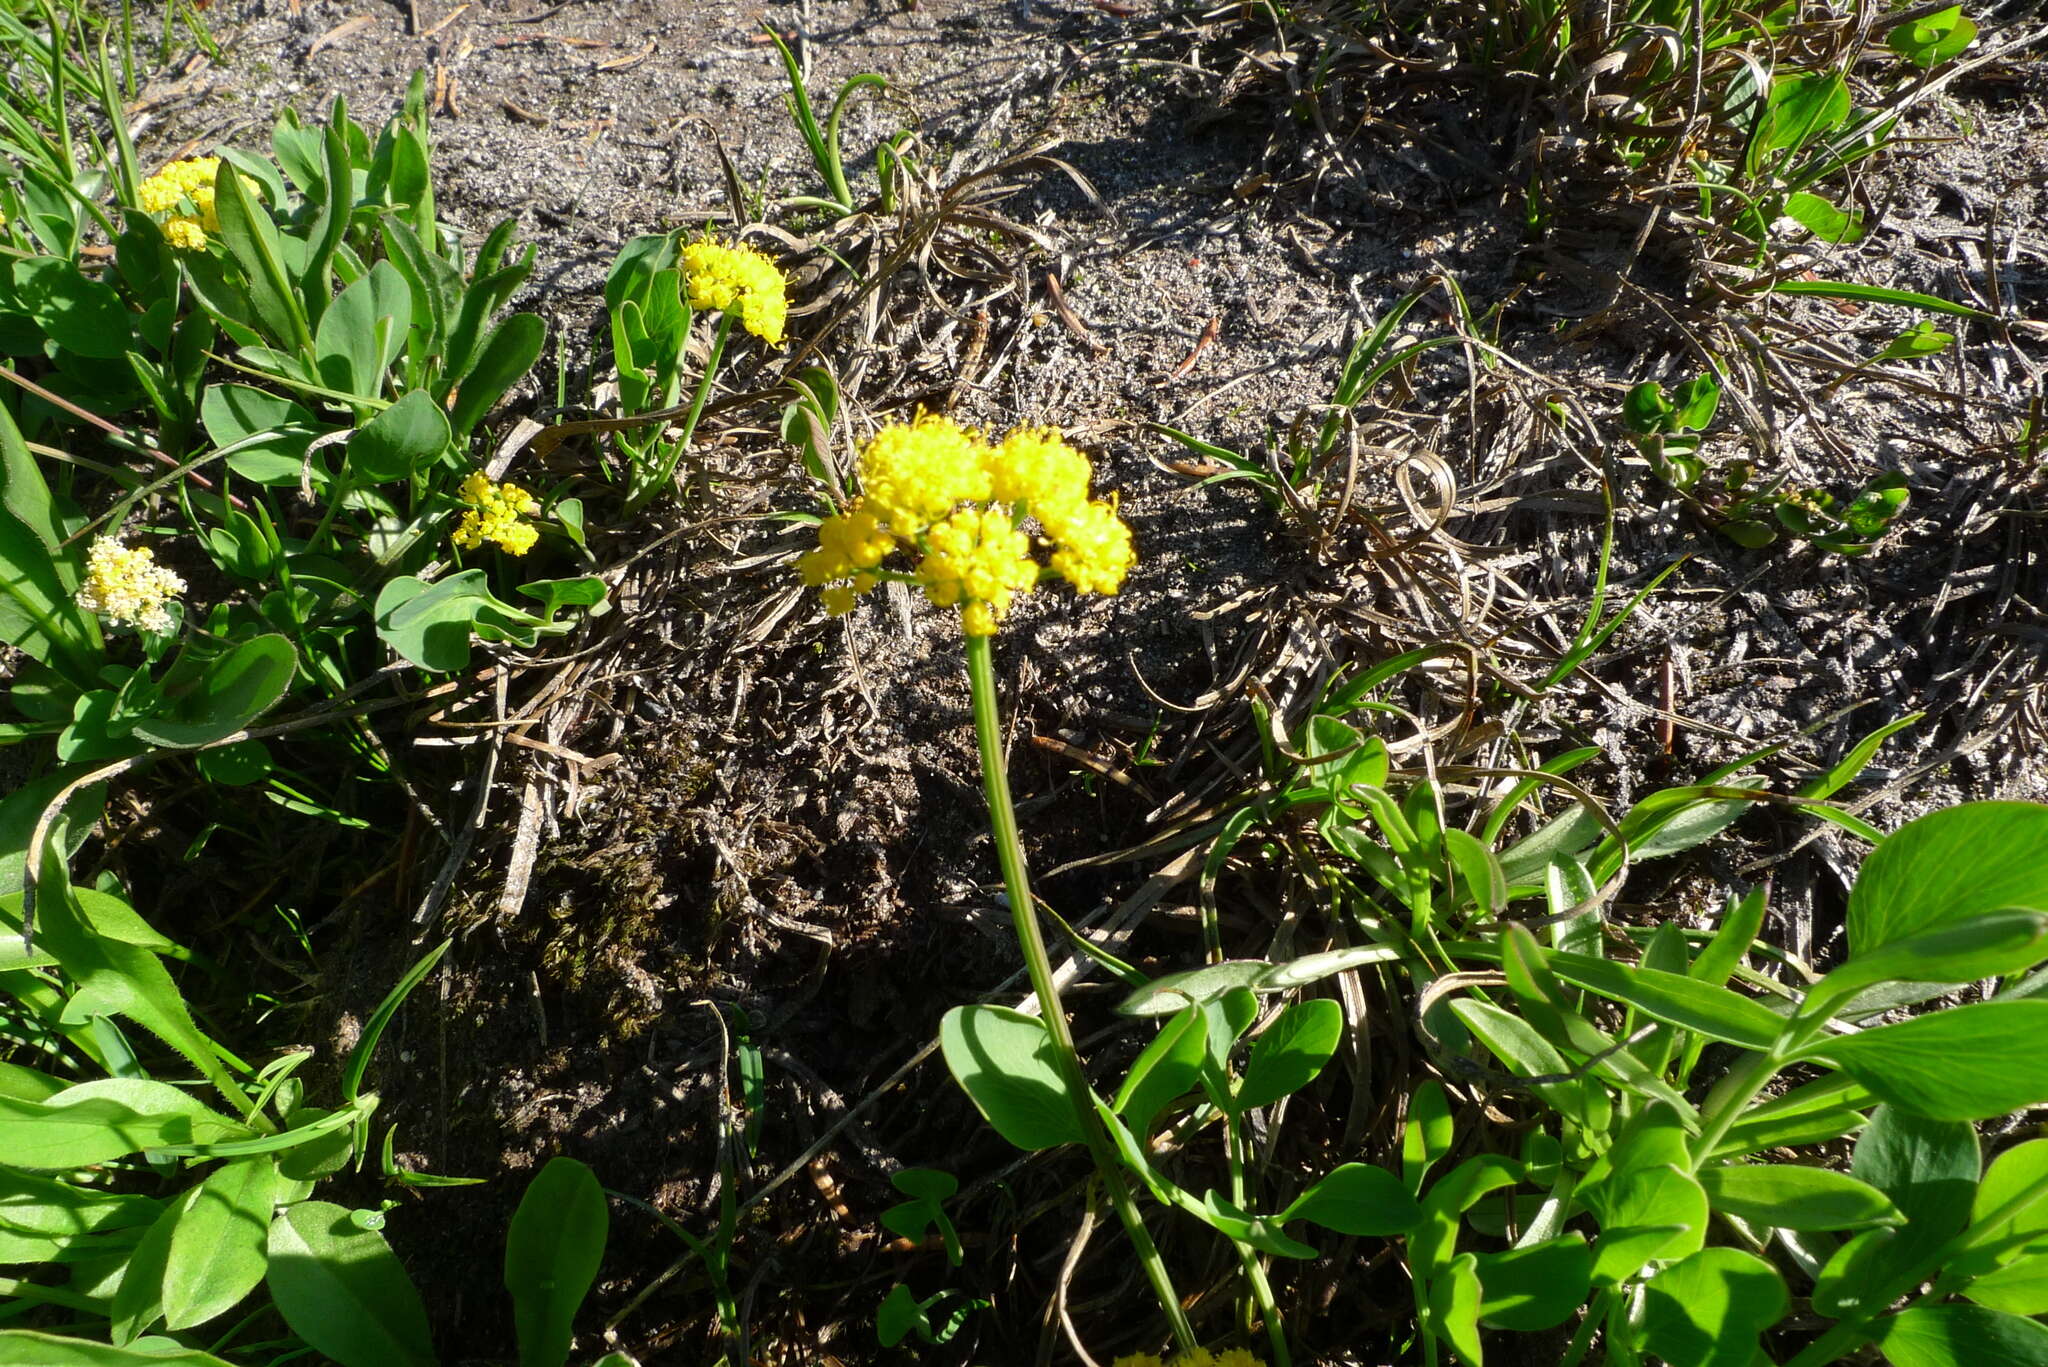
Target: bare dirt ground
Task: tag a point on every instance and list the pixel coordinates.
(749, 808)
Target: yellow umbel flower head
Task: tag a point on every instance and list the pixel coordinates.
(190, 180)
(958, 504)
(913, 474)
(977, 559)
(1035, 469)
(127, 587)
(724, 278)
(1138, 1360)
(497, 512)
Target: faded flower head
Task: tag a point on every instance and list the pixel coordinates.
(496, 512)
(728, 278)
(127, 587)
(959, 505)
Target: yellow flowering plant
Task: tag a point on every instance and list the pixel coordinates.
(959, 509)
(655, 290)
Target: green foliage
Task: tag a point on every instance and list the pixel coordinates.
(342, 1290)
(1647, 1062)
(823, 143)
(1306, 468)
(1666, 430)
(552, 1252)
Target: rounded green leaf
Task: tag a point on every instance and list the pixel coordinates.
(1709, 1309)
(245, 761)
(1428, 1134)
(2015, 1190)
(342, 1290)
(1357, 1199)
(235, 688)
(1653, 1212)
(1290, 1052)
(75, 311)
(1857, 1268)
(1950, 866)
(552, 1254)
(363, 331)
(1167, 1069)
(220, 1245)
(399, 440)
(1536, 1287)
(1793, 1196)
(1962, 1336)
(1454, 1300)
(1003, 1060)
(2019, 1288)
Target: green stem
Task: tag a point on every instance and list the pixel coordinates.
(1749, 1078)
(1575, 1351)
(1002, 820)
(1420, 1287)
(640, 496)
(1254, 1270)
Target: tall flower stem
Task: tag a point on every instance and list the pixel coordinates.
(1002, 817)
(643, 484)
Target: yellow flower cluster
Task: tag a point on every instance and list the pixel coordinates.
(1201, 1357)
(976, 559)
(497, 512)
(721, 277)
(956, 501)
(127, 587)
(191, 179)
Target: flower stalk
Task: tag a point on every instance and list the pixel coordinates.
(649, 482)
(995, 782)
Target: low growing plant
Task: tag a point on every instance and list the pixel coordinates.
(1728, 497)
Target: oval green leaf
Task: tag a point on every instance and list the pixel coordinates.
(399, 440)
(1949, 866)
(1967, 1063)
(1291, 1051)
(1709, 1309)
(220, 1245)
(342, 1290)
(1357, 1199)
(552, 1254)
(1536, 1287)
(1003, 1060)
(1793, 1196)
(1962, 1336)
